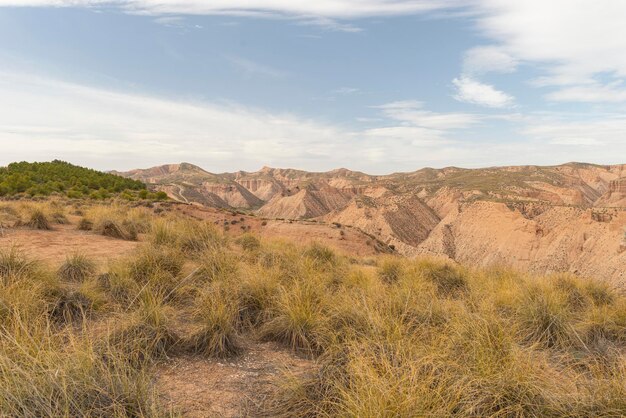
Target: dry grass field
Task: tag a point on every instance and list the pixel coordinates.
(151, 313)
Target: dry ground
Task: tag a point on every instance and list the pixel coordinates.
(346, 240)
(198, 387)
(53, 246)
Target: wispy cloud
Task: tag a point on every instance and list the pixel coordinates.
(575, 44)
(332, 9)
(43, 118)
(487, 59)
(469, 90)
(329, 24)
(411, 113)
(251, 68)
(590, 93)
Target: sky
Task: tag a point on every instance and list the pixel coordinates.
(379, 86)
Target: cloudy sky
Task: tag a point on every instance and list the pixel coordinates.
(372, 85)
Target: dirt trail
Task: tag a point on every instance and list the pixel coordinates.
(180, 192)
(199, 387)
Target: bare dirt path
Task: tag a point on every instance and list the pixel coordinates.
(199, 387)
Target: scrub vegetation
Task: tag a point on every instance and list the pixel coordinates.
(389, 336)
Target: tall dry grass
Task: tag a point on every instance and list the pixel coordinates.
(393, 337)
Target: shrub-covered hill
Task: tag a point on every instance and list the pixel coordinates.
(59, 177)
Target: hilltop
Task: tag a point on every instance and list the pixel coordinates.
(65, 179)
(569, 217)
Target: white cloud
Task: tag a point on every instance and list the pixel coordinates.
(346, 91)
(326, 14)
(485, 59)
(330, 24)
(590, 93)
(42, 119)
(576, 141)
(574, 41)
(321, 8)
(400, 104)
(410, 112)
(472, 91)
(604, 132)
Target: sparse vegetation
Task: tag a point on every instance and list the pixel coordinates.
(38, 220)
(391, 336)
(77, 268)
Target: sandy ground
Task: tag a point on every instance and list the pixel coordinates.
(236, 387)
(53, 246)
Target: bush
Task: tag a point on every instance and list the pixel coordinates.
(155, 264)
(110, 228)
(544, 318)
(249, 242)
(77, 268)
(39, 220)
(145, 336)
(298, 320)
(320, 254)
(71, 305)
(85, 225)
(199, 238)
(70, 378)
(218, 264)
(15, 266)
(390, 270)
(448, 280)
(217, 313)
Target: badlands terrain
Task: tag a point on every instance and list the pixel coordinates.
(118, 302)
(538, 219)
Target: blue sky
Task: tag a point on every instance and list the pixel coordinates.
(372, 85)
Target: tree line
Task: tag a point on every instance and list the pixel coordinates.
(65, 179)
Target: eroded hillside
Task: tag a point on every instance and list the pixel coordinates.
(559, 218)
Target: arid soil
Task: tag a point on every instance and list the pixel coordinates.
(53, 246)
(235, 387)
(346, 239)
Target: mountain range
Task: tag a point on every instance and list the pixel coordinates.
(544, 219)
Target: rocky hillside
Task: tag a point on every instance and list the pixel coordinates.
(544, 219)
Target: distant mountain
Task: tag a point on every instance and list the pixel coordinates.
(542, 218)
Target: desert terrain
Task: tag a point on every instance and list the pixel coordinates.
(570, 217)
(123, 303)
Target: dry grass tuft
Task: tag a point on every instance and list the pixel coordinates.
(298, 319)
(85, 225)
(77, 268)
(390, 270)
(39, 220)
(217, 314)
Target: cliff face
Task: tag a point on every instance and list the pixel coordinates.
(543, 219)
(615, 195)
(618, 186)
